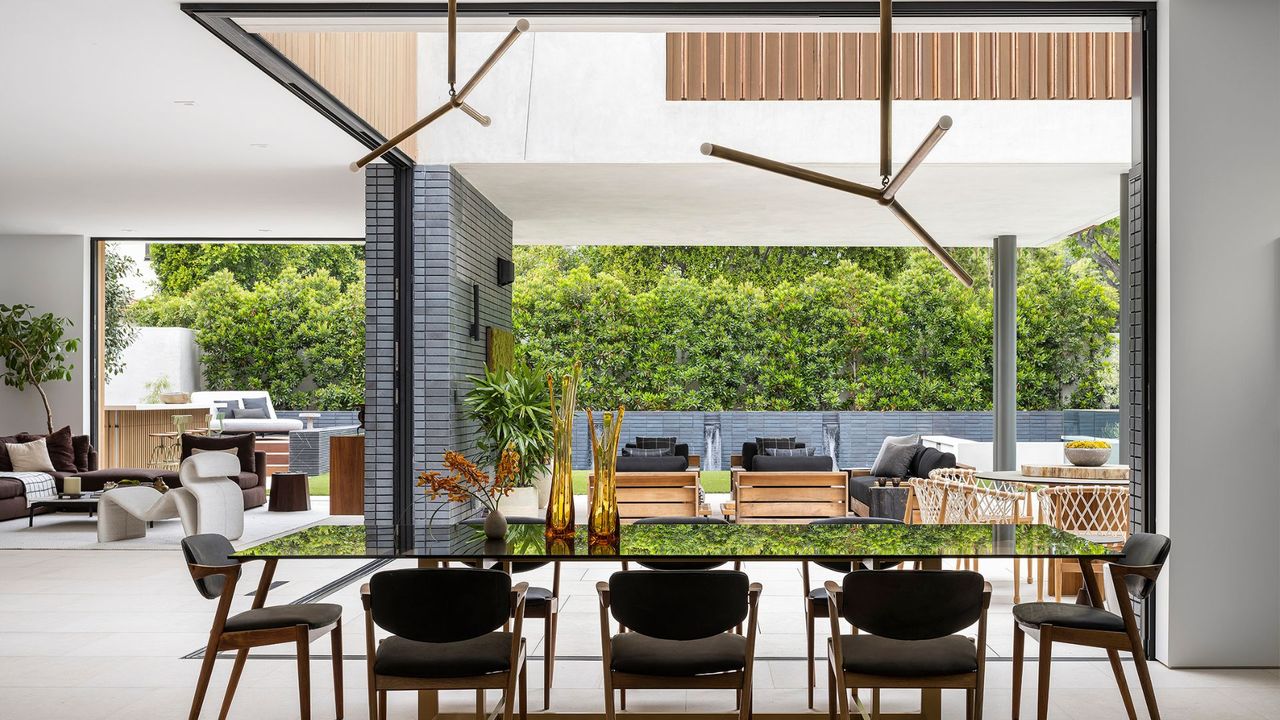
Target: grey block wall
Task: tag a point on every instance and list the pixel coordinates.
(379, 343)
(458, 236)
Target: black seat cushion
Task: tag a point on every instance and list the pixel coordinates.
(860, 488)
(1080, 617)
(663, 463)
(312, 615)
(804, 463)
(644, 655)
(537, 596)
(488, 653)
(875, 655)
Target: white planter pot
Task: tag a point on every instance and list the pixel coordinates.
(522, 501)
(542, 483)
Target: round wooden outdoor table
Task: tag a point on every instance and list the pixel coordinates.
(1015, 476)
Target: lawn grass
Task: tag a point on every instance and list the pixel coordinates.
(319, 484)
(713, 481)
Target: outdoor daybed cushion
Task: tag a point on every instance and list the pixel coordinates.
(261, 425)
(926, 461)
(662, 463)
(802, 463)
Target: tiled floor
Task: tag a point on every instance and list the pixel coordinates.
(101, 634)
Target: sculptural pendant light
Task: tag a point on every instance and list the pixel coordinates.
(890, 183)
(457, 98)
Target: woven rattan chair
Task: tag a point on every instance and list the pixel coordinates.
(1099, 513)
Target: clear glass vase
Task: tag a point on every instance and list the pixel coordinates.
(603, 522)
(560, 505)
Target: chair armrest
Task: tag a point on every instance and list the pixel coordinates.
(681, 449)
(260, 466)
(834, 598)
(962, 466)
(986, 596)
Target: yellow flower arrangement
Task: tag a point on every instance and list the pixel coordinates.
(1093, 444)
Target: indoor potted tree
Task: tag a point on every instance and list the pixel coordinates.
(34, 351)
(513, 409)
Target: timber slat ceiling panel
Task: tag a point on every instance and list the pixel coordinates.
(373, 73)
(927, 66)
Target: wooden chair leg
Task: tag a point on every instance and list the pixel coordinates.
(509, 696)
(206, 671)
(1019, 640)
(808, 639)
(373, 698)
(241, 655)
(335, 642)
(304, 671)
(1040, 580)
(875, 703)
(524, 691)
(479, 703)
(1046, 660)
(382, 705)
(968, 705)
(1118, 670)
(548, 657)
(1017, 585)
(609, 713)
(1144, 677)
(831, 693)
(622, 699)
(1057, 580)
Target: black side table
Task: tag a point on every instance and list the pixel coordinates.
(289, 493)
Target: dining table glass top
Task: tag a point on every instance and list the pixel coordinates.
(748, 542)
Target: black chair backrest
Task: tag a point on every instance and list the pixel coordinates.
(679, 604)
(440, 604)
(214, 550)
(912, 604)
(681, 520)
(1144, 549)
(844, 567)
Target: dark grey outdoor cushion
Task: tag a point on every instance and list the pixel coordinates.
(891, 441)
(654, 443)
(803, 463)
(662, 463)
(644, 655)
(255, 403)
(489, 653)
(1081, 617)
(875, 655)
(764, 444)
(314, 616)
(894, 461)
(790, 452)
(248, 414)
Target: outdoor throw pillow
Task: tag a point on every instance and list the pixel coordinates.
(764, 444)
(30, 456)
(895, 456)
(249, 414)
(651, 443)
(648, 452)
(255, 403)
(790, 452)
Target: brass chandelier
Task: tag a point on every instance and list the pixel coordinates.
(890, 183)
(457, 98)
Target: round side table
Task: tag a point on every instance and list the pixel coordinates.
(289, 493)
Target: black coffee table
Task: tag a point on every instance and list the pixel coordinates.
(87, 502)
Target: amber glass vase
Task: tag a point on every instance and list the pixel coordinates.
(602, 527)
(560, 504)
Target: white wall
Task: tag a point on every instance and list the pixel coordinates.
(50, 272)
(170, 352)
(1218, 244)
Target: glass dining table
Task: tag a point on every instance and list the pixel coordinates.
(928, 545)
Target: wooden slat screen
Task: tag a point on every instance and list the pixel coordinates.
(927, 66)
(373, 73)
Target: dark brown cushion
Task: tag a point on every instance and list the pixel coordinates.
(80, 444)
(313, 615)
(1082, 617)
(482, 655)
(875, 655)
(5, 464)
(242, 444)
(644, 655)
(11, 488)
(61, 452)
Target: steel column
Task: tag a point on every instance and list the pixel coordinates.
(1004, 394)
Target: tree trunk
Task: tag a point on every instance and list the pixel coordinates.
(48, 411)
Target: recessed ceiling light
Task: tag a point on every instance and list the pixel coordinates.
(264, 229)
(126, 229)
(260, 146)
(185, 103)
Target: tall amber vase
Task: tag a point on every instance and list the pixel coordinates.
(602, 527)
(560, 505)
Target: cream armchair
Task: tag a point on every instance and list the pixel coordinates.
(209, 501)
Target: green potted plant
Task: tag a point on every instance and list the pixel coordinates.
(513, 408)
(34, 350)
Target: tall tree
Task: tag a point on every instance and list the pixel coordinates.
(120, 331)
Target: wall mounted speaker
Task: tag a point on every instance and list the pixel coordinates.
(506, 272)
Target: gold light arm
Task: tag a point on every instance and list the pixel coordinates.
(945, 257)
(475, 114)
(453, 42)
(886, 88)
(917, 157)
(791, 171)
(456, 101)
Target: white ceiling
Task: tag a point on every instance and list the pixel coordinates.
(92, 142)
(728, 204)
(95, 144)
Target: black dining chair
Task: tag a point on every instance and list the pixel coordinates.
(540, 604)
(815, 598)
(447, 633)
(215, 574)
(1084, 624)
(680, 632)
(910, 619)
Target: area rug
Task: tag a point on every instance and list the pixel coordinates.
(77, 531)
